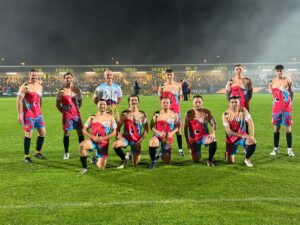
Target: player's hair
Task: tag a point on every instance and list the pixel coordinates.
(101, 100)
(169, 70)
(106, 70)
(234, 97)
(279, 67)
(133, 96)
(198, 96)
(68, 73)
(33, 70)
(237, 65)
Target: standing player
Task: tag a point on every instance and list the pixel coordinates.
(68, 102)
(30, 115)
(196, 131)
(111, 93)
(135, 130)
(281, 88)
(240, 86)
(164, 124)
(173, 91)
(99, 128)
(234, 121)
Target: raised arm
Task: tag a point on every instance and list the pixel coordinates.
(19, 103)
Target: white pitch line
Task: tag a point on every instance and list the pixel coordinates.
(146, 202)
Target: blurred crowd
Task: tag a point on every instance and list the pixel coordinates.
(200, 83)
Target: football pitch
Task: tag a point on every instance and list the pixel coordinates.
(50, 191)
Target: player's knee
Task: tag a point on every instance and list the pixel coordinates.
(28, 134)
(288, 129)
(154, 142)
(276, 129)
(82, 148)
(114, 144)
(250, 141)
(42, 133)
(117, 144)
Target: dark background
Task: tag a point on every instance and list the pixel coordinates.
(148, 31)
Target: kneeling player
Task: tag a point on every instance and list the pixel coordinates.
(196, 131)
(235, 119)
(135, 129)
(103, 127)
(164, 124)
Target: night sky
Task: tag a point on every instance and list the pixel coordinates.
(47, 32)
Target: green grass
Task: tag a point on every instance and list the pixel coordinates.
(50, 192)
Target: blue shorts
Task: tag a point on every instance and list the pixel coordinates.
(133, 149)
(74, 123)
(33, 123)
(196, 147)
(232, 148)
(101, 151)
(284, 119)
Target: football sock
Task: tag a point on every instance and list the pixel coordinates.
(83, 162)
(120, 153)
(39, 143)
(26, 145)
(250, 149)
(80, 138)
(152, 153)
(212, 150)
(66, 143)
(179, 141)
(289, 139)
(276, 139)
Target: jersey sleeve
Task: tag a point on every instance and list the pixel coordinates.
(225, 120)
(88, 123)
(98, 92)
(59, 94)
(22, 90)
(79, 94)
(120, 94)
(113, 124)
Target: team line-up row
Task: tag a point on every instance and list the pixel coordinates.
(165, 123)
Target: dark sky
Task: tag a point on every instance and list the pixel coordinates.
(42, 32)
